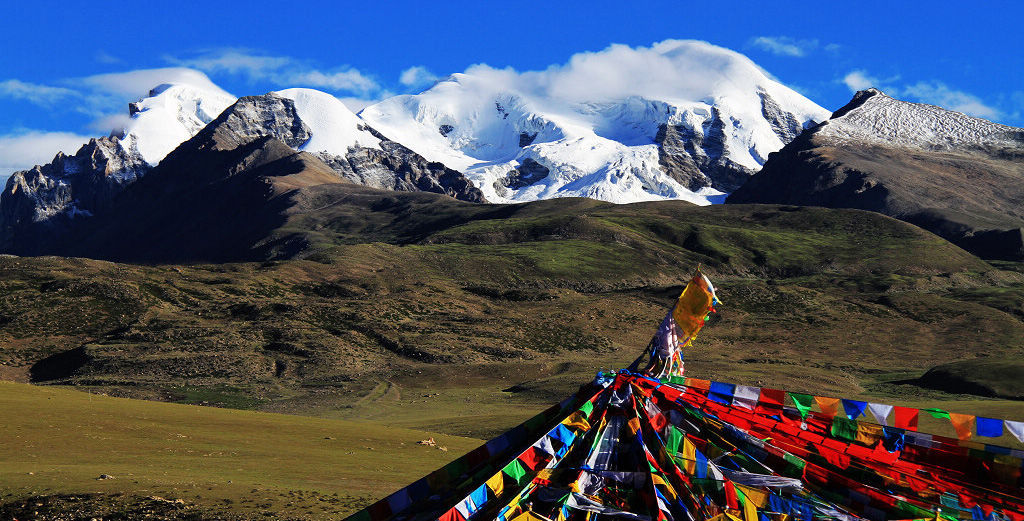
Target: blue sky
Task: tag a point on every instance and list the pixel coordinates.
(68, 69)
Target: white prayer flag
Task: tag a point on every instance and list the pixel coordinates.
(880, 411)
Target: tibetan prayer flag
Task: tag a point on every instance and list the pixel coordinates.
(515, 471)
(905, 418)
(1015, 428)
(452, 515)
(673, 439)
(689, 456)
(746, 396)
(829, 406)
(479, 496)
(802, 402)
(721, 392)
(963, 423)
(881, 412)
(496, 484)
(868, 433)
(938, 414)
(853, 408)
(989, 427)
(844, 429)
(586, 408)
(577, 421)
(698, 383)
(771, 400)
(693, 305)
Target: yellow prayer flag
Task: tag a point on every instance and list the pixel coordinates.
(496, 484)
(634, 424)
(693, 305)
(577, 420)
(689, 456)
(868, 433)
(755, 495)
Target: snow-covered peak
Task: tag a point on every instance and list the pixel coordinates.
(874, 117)
(171, 114)
(596, 123)
(333, 127)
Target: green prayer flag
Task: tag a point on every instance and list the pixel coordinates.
(802, 402)
(681, 380)
(937, 413)
(844, 428)
(587, 408)
(673, 440)
(515, 471)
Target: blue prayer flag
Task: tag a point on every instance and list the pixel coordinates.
(721, 392)
(989, 427)
(854, 408)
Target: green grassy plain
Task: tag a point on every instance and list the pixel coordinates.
(219, 461)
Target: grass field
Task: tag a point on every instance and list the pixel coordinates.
(59, 441)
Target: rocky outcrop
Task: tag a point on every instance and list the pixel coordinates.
(959, 177)
(48, 199)
(696, 156)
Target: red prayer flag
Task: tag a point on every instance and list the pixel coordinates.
(771, 400)
(531, 458)
(451, 515)
(905, 418)
(730, 496)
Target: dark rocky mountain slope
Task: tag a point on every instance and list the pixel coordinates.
(957, 176)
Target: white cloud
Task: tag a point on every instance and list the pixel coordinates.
(938, 93)
(417, 76)
(859, 80)
(23, 150)
(102, 56)
(280, 70)
(137, 83)
(39, 94)
(234, 61)
(611, 74)
(349, 80)
(785, 45)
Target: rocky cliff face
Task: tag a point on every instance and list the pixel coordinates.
(960, 177)
(47, 199)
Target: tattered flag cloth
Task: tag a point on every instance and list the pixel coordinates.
(639, 446)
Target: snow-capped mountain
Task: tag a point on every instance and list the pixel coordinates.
(681, 120)
(883, 120)
(170, 115)
(957, 176)
(82, 184)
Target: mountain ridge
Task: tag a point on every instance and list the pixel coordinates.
(957, 176)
